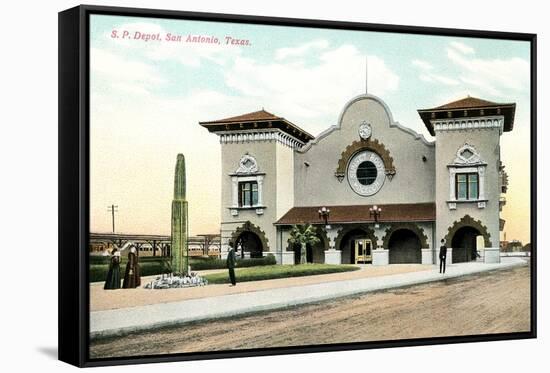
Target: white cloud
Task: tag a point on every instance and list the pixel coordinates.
(496, 77)
(437, 78)
(283, 53)
(429, 76)
(129, 75)
(462, 48)
(305, 93)
(493, 77)
(424, 65)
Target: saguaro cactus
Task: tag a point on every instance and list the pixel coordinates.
(180, 258)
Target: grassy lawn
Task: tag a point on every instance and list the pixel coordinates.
(149, 265)
(278, 271)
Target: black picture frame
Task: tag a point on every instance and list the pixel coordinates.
(74, 191)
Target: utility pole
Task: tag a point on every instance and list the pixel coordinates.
(112, 209)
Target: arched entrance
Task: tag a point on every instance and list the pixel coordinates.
(252, 240)
(314, 254)
(404, 247)
(464, 244)
(356, 246)
(250, 243)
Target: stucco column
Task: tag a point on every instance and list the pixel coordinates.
(481, 173)
(452, 191)
(492, 255)
(234, 192)
(332, 256)
(449, 256)
(260, 190)
(286, 256)
(380, 256)
(427, 255)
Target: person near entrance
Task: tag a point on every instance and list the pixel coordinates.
(442, 256)
(231, 259)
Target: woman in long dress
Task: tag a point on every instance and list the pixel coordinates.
(113, 276)
(132, 278)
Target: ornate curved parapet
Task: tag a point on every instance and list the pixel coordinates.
(410, 226)
(468, 221)
(250, 227)
(369, 144)
(351, 227)
(338, 126)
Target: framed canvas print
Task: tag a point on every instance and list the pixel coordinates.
(235, 186)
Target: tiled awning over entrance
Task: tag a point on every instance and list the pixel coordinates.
(401, 212)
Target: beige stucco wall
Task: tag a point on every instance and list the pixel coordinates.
(285, 179)
(276, 161)
(486, 142)
(265, 154)
(414, 179)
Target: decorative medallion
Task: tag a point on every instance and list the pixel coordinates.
(366, 173)
(467, 155)
(365, 130)
(247, 165)
(361, 145)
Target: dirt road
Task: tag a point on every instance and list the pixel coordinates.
(494, 302)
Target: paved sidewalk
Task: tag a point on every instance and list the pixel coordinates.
(102, 300)
(125, 320)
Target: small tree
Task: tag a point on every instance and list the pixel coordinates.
(303, 235)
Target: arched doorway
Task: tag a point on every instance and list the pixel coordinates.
(404, 247)
(250, 243)
(356, 246)
(464, 244)
(314, 254)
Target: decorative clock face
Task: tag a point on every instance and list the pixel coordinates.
(365, 130)
(366, 173)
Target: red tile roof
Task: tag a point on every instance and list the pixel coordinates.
(259, 115)
(469, 106)
(257, 120)
(468, 102)
(360, 214)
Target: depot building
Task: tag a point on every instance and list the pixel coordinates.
(376, 192)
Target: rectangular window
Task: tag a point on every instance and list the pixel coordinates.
(472, 186)
(461, 186)
(467, 186)
(248, 193)
(254, 193)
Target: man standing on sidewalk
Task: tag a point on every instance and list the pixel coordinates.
(442, 256)
(231, 263)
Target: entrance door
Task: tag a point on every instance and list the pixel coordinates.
(464, 244)
(363, 251)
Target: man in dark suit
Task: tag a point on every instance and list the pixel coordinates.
(231, 259)
(442, 256)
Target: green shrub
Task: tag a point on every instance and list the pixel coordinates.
(100, 259)
(279, 271)
(198, 264)
(98, 272)
(149, 266)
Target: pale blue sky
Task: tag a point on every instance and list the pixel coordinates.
(303, 74)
